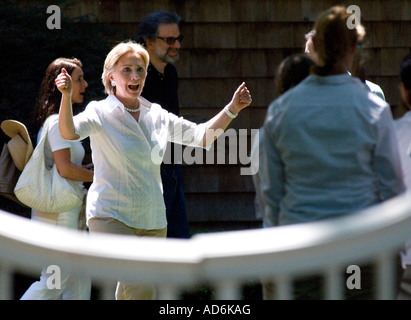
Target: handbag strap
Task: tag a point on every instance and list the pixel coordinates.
(46, 125)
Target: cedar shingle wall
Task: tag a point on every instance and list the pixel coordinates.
(230, 41)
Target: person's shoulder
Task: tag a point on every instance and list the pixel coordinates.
(361, 90)
(299, 91)
(52, 120)
(144, 102)
(402, 127)
(96, 103)
(149, 105)
(405, 120)
(109, 103)
(279, 105)
(171, 67)
(375, 88)
(376, 99)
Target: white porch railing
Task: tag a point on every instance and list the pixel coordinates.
(223, 260)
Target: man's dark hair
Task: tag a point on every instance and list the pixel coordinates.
(148, 28)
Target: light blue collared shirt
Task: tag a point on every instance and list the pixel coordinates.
(330, 149)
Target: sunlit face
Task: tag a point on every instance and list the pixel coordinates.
(79, 85)
(130, 75)
(163, 51)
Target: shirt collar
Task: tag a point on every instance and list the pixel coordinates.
(114, 103)
(151, 68)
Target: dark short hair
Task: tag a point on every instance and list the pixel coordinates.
(148, 28)
(405, 72)
(291, 71)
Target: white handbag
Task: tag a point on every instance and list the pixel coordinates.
(42, 188)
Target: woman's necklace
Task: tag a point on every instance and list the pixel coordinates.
(132, 110)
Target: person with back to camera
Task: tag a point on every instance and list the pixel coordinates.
(403, 130)
(159, 33)
(128, 136)
(68, 157)
(290, 72)
(330, 145)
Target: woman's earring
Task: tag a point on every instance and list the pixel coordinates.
(113, 83)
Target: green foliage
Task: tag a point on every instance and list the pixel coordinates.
(28, 47)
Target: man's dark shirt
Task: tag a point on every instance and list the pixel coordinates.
(162, 89)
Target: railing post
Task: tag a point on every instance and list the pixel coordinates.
(5, 281)
(108, 289)
(228, 290)
(333, 287)
(385, 276)
(284, 287)
(167, 292)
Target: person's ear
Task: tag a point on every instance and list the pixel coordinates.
(149, 44)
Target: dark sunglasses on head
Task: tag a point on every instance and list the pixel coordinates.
(170, 40)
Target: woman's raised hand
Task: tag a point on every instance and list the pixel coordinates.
(241, 98)
(63, 82)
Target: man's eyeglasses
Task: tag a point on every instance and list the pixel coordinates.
(170, 40)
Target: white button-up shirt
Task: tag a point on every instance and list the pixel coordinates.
(330, 150)
(127, 155)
